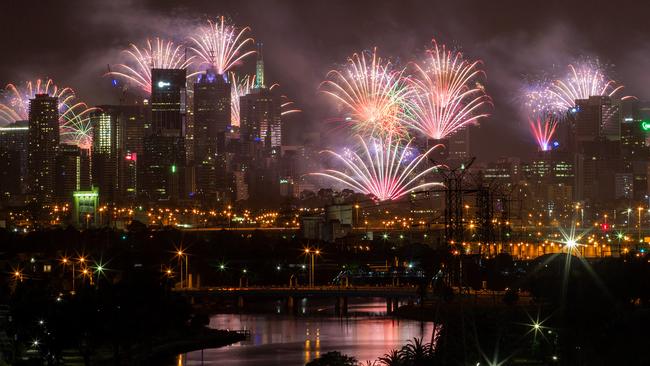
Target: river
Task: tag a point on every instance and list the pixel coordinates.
(287, 340)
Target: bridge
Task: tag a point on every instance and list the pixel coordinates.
(392, 294)
(304, 291)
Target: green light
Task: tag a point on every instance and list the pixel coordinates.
(173, 168)
(645, 125)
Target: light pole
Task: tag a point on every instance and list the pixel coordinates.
(356, 221)
(628, 218)
(312, 253)
(640, 209)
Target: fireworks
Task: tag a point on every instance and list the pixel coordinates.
(75, 125)
(386, 170)
(159, 54)
(584, 80)
(446, 95)
(287, 106)
(221, 46)
(240, 86)
(373, 91)
(16, 98)
(543, 129)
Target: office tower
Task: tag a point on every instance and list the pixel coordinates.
(459, 145)
(132, 120)
(596, 118)
(13, 159)
(72, 169)
(260, 113)
(596, 126)
(634, 150)
(43, 142)
(163, 160)
(212, 97)
(106, 141)
(168, 101)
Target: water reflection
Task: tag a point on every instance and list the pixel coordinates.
(278, 339)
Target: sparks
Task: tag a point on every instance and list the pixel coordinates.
(15, 106)
(383, 171)
(75, 125)
(447, 95)
(220, 46)
(583, 81)
(287, 106)
(543, 129)
(157, 54)
(373, 92)
(240, 87)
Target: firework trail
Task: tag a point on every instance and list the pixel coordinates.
(240, 86)
(75, 125)
(446, 95)
(287, 106)
(15, 105)
(157, 54)
(220, 45)
(543, 129)
(386, 170)
(373, 92)
(583, 81)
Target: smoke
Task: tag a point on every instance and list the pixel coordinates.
(74, 41)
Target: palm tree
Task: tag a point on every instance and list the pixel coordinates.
(417, 353)
(392, 358)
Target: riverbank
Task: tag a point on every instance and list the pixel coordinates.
(156, 351)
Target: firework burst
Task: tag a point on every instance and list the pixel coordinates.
(221, 46)
(75, 126)
(446, 94)
(386, 170)
(583, 81)
(543, 129)
(373, 92)
(157, 54)
(15, 106)
(240, 86)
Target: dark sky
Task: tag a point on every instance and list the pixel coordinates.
(73, 41)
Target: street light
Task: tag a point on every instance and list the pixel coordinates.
(312, 253)
(180, 254)
(640, 209)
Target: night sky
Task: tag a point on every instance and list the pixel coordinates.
(73, 41)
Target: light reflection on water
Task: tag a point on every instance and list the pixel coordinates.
(287, 340)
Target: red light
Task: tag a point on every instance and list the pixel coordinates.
(131, 156)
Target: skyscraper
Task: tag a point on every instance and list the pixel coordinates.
(168, 97)
(212, 99)
(105, 152)
(43, 142)
(163, 161)
(13, 158)
(72, 169)
(260, 112)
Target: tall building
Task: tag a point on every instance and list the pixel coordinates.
(212, 97)
(459, 145)
(168, 101)
(13, 159)
(163, 160)
(596, 118)
(260, 113)
(106, 152)
(43, 142)
(72, 170)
